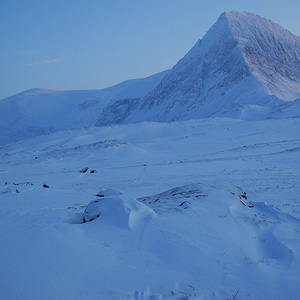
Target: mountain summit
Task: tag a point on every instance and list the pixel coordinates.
(244, 65)
(271, 52)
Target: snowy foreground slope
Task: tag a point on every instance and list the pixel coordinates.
(41, 111)
(244, 67)
(210, 209)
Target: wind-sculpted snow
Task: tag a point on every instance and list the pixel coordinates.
(114, 211)
(243, 67)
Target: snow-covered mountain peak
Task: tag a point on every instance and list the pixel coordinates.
(243, 24)
(272, 52)
(244, 65)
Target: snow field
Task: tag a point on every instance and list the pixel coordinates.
(197, 241)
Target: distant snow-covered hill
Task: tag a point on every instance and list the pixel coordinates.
(41, 111)
(243, 67)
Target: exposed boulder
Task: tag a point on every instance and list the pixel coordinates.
(109, 192)
(84, 170)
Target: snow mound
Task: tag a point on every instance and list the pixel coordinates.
(117, 212)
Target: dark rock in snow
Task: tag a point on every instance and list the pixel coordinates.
(84, 170)
(109, 192)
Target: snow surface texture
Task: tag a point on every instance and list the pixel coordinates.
(241, 68)
(179, 231)
(42, 111)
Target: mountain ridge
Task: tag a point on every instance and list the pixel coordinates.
(41, 111)
(218, 75)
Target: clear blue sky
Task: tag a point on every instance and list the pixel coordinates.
(70, 44)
